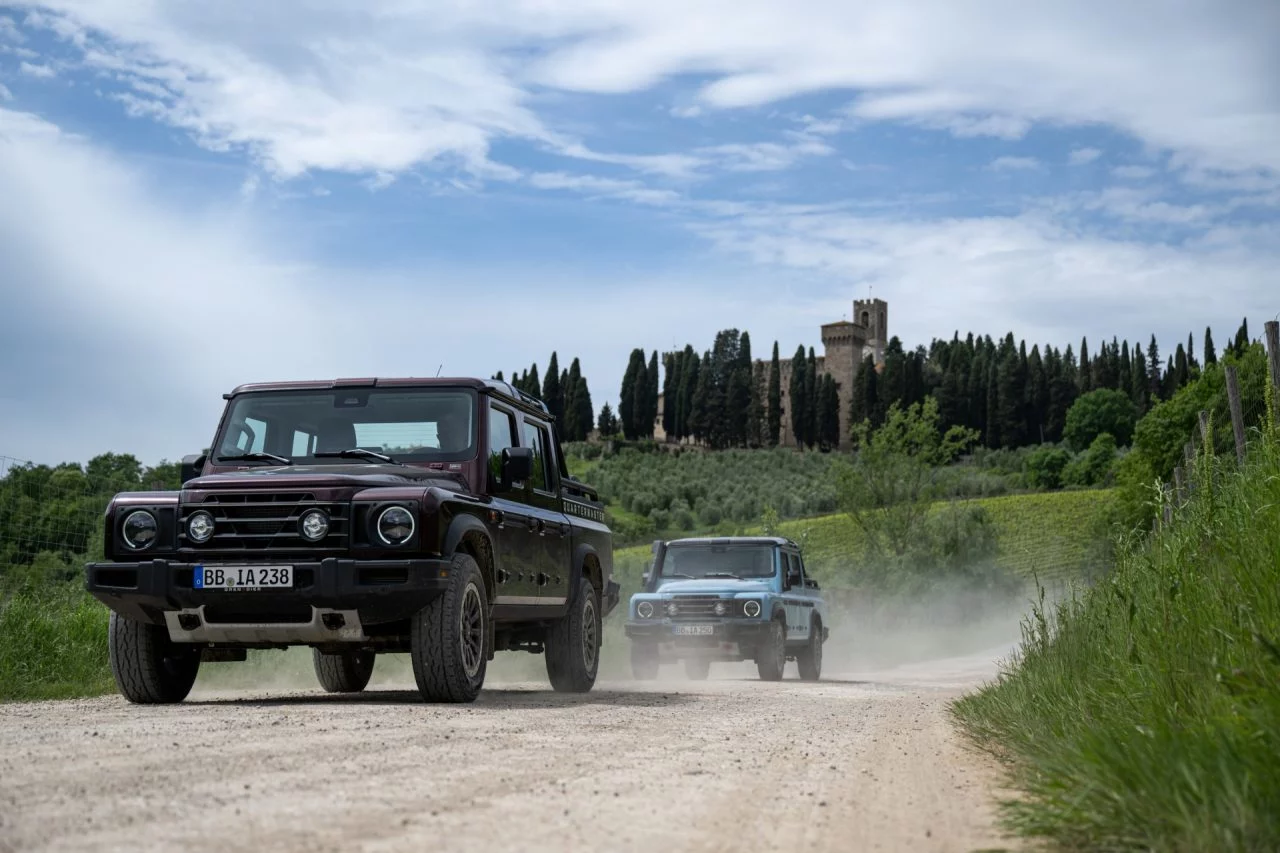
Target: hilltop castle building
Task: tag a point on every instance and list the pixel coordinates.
(845, 345)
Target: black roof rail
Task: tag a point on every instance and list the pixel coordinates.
(515, 393)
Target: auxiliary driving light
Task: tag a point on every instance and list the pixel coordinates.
(672, 610)
(200, 527)
(314, 525)
(720, 608)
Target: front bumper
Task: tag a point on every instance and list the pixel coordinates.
(361, 592)
(741, 631)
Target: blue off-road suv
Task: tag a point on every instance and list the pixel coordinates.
(727, 599)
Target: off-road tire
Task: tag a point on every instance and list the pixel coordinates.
(644, 661)
(809, 659)
(572, 646)
(149, 668)
(449, 638)
(345, 672)
(771, 657)
(697, 669)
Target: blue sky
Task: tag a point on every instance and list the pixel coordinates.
(198, 195)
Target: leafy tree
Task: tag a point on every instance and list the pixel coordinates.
(1104, 410)
(773, 427)
(1044, 466)
(894, 477)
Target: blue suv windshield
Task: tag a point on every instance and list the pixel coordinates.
(705, 560)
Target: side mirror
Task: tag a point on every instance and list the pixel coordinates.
(192, 466)
(517, 465)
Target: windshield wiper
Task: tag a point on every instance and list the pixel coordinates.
(723, 575)
(356, 453)
(678, 575)
(256, 456)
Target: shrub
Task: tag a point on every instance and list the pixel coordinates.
(1104, 410)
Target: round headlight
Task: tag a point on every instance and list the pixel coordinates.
(751, 608)
(672, 610)
(314, 525)
(644, 609)
(720, 608)
(200, 527)
(395, 525)
(139, 529)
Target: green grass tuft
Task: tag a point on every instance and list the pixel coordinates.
(1144, 713)
(53, 644)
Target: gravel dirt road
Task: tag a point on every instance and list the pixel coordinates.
(858, 761)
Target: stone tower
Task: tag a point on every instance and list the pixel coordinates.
(872, 315)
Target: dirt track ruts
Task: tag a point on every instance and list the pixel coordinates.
(866, 761)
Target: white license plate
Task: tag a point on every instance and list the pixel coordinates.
(696, 630)
(242, 577)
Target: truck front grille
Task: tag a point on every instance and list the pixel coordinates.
(265, 522)
(698, 606)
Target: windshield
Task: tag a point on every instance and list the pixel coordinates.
(408, 425)
(751, 560)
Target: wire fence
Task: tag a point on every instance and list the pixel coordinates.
(1229, 424)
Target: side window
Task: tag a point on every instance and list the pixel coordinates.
(535, 436)
(793, 564)
(502, 434)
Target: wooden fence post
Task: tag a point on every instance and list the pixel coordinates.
(1204, 429)
(1179, 486)
(1272, 335)
(1237, 416)
(1168, 505)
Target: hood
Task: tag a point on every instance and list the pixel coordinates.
(356, 476)
(708, 586)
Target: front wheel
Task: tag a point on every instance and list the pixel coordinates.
(771, 657)
(448, 639)
(148, 667)
(345, 672)
(573, 643)
(810, 658)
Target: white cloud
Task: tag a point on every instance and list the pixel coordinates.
(692, 111)
(1133, 173)
(1013, 164)
(1083, 156)
(9, 30)
(5, 94)
(95, 268)
(41, 71)
(389, 87)
(603, 187)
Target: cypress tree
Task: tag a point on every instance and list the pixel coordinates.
(1139, 384)
(1011, 393)
(1191, 352)
(670, 382)
(992, 435)
(1210, 354)
(533, 385)
(1124, 381)
(627, 398)
(1085, 372)
(650, 396)
(700, 415)
(1181, 370)
(498, 377)
(552, 389)
(1037, 396)
(688, 385)
(1153, 368)
(796, 395)
(811, 400)
(1242, 337)
(774, 415)
(608, 424)
(1062, 393)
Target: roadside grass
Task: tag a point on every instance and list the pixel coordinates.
(1144, 713)
(53, 644)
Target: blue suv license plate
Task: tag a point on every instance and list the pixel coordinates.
(693, 630)
(242, 577)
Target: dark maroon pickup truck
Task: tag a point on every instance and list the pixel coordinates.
(429, 516)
